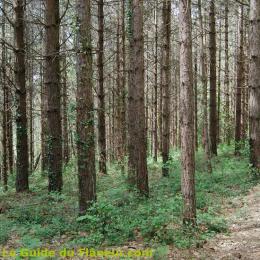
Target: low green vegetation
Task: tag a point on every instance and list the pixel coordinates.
(41, 219)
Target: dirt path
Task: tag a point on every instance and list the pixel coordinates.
(243, 241)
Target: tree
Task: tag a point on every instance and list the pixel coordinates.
(213, 85)
(240, 84)
(85, 110)
(254, 79)
(226, 77)
(52, 90)
(4, 171)
(120, 90)
(65, 133)
(155, 105)
(205, 91)
(136, 109)
(187, 114)
(101, 94)
(166, 77)
(22, 162)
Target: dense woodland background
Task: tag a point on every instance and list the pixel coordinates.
(101, 100)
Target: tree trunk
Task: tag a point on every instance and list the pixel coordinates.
(226, 78)
(136, 112)
(240, 85)
(254, 79)
(166, 77)
(101, 94)
(219, 84)
(196, 100)
(52, 90)
(4, 174)
(187, 114)
(156, 84)
(22, 162)
(85, 110)
(205, 92)
(65, 133)
(120, 127)
(132, 116)
(213, 91)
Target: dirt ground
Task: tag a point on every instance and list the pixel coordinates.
(243, 240)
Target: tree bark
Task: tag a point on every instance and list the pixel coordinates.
(240, 85)
(254, 79)
(136, 106)
(85, 109)
(226, 78)
(205, 92)
(187, 114)
(65, 132)
(156, 84)
(4, 173)
(166, 77)
(22, 161)
(52, 90)
(101, 94)
(213, 90)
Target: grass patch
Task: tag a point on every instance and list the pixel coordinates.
(120, 216)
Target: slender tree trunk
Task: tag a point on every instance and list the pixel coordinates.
(101, 94)
(9, 125)
(205, 91)
(219, 84)
(22, 162)
(120, 89)
(30, 74)
(196, 100)
(240, 85)
(226, 78)
(132, 116)
(213, 90)
(187, 114)
(85, 116)
(166, 77)
(136, 112)
(4, 174)
(65, 132)
(254, 79)
(52, 90)
(156, 85)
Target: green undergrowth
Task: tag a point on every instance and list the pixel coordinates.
(38, 219)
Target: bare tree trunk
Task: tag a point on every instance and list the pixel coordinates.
(120, 127)
(22, 162)
(226, 78)
(52, 90)
(136, 112)
(30, 73)
(240, 85)
(166, 77)
(9, 125)
(132, 116)
(213, 87)
(196, 100)
(205, 91)
(85, 116)
(101, 94)
(4, 173)
(65, 133)
(156, 84)
(187, 114)
(254, 79)
(219, 85)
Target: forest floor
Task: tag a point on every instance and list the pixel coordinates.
(243, 239)
(228, 213)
